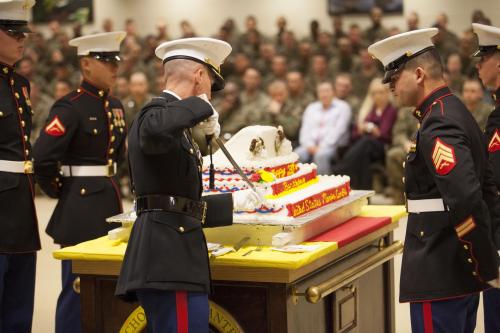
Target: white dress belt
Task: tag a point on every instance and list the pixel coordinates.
(25, 167)
(88, 170)
(425, 205)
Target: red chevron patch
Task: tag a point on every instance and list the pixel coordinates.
(55, 127)
(494, 144)
(443, 157)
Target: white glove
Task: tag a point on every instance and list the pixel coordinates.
(247, 200)
(210, 126)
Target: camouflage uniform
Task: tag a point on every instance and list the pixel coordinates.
(289, 117)
(132, 107)
(481, 114)
(41, 107)
(340, 64)
(253, 111)
(404, 128)
(301, 101)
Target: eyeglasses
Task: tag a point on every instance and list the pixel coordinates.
(13, 33)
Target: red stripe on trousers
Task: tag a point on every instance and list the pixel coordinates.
(427, 317)
(182, 311)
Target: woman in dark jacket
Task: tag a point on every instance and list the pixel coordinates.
(371, 136)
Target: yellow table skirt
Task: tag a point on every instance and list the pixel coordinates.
(103, 249)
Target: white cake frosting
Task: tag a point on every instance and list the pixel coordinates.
(291, 189)
(239, 146)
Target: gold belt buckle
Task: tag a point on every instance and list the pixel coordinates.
(204, 213)
(28, 167)
(111, 170)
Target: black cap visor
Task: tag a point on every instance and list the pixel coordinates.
(397, 65)
(485, 50)
(110, 57)
(14, 27)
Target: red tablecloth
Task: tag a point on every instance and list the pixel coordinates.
(352, 230)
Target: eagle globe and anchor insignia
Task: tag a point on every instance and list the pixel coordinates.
(220, 321)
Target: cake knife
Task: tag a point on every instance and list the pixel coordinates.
(233, 162)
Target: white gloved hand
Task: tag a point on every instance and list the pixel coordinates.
(210, 126)
(247, 200)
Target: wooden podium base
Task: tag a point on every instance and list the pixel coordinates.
(350, 291)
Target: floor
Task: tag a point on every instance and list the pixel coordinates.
(48, 281)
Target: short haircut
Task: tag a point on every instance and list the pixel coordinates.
(276, 85)
(430, 61)
(179, 69)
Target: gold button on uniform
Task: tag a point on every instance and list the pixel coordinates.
(109, 115)
(23, 123)
(466, 247)
(113, 138)
(403, 180)
(17, 95)
(121, 130)
(27, 152)
(95, 131)
(181, 229)
(78, 90)
(106, 104)
(111, 127)
(111, 150)
(474, 273)
(404, 164)
(5, 70)
(421, 234)
(191, 150)
(25, 138)
(1, 114)
(83, 191)
(101, 93)
(469, 260)
(110, 161)
(20, 110)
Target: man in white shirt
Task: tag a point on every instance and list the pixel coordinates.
(325, 128)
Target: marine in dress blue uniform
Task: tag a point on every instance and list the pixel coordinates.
(166, 264)
(76, 157)
(489, 72)
(449, 255)
(19, 238)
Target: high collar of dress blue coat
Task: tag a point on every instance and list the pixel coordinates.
(421, 111)
(496, 96)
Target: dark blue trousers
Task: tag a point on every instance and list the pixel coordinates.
(175, 311)
(456, 315)
(68, 304)
(491, 304)
(17, 292)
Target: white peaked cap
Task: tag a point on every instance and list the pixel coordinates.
(102, 42)
(209, 51)
(15, 10)
(488, 37)
(394, 51)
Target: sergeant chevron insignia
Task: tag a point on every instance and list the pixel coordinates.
(443, 157)
(494, 144)
(55, 127)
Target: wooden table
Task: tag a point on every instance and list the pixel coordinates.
(348, 286)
